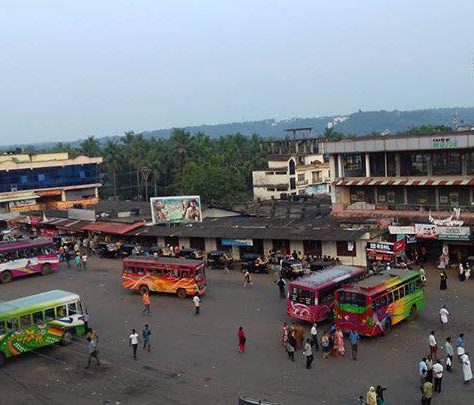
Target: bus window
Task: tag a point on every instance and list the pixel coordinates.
(25, 321)
(402, 291)
(418, 284)
(383, 301)
(176, 273)
(71, 309)
(302, 296)
(61, 311)
(79, 307)
(389, 298)
(2, 328)
(406, 290)
(140, 270)
(396, 296)
(326, 297)
(49, 314)
(184, 274)
(411, 288)
(38, 317)
(12, 324)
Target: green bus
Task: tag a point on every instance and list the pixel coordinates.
(39, 320)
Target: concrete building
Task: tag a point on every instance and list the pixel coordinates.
(291, 175)
(403, 172)
(33, 182)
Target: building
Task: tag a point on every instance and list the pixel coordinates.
(403, 173)
(33, 182)
(290, 175)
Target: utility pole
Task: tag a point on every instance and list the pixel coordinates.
(145, 174)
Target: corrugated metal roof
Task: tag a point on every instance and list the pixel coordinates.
(111, 227)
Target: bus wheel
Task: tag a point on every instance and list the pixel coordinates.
(182, 294)
(143, 289)
(413, 312)
(66, 338)
(2, 359)
(5, 277)
(46, 269)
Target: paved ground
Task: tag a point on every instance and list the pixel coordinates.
(194, 359)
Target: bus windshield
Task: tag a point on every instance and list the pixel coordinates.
(302, 296)
(352, 302)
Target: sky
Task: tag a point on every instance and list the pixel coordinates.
(70, 69)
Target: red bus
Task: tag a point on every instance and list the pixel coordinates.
(182, 277)
(311, 298)
(24, 257)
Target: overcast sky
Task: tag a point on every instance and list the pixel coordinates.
(69, 69)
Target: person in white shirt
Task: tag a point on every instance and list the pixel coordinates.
(308, 353)
(438, 375)
(133, 342)
(449, 354)
(443, 316)
(197, 303)
(433, 345)
(314, 336)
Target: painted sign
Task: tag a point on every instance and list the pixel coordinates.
(401, 230)
(444, 142)
(426, 231)
(176, 209)
(430, 231)
(386, 247)
(237, 242)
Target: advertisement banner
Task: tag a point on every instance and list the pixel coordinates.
(387, 247)
(401, 230)
(176, 209)
(237, 242)
(426, 231)
(454, 233)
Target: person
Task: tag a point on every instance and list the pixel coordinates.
(225, 270)
(422, 379)
(325, 345)
(467, 272)
(146, 333)
(85, 318)
(443, 316)
(242, 339)
(196, 303)
(67, 257)
(361, 400)
(281, 286)
(339, 340)
(291, 346)
(314, 336)
(371, 397)
(133, 342)
(423, 275)
(284, 335)
(443, 280)
(433, 345)
(294, 255)
(308, 353)
(466, 368)
(84, 261)
(427, 393)
(146, 302)
(93, 351)
(77, 262)
(462, 276)
(429, 365)
(354, 338)
(379, 394)
(438, 375)
(422, 366)
(247, 279)
(460, 348)
(449, 354)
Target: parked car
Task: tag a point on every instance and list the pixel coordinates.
(219, 258)
(191, 253)
(317, 265)
(291, 268)
(254, 263)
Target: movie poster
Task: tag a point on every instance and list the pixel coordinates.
(176, 209)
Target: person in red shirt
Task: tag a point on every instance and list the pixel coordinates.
(242, 339)
(146, 302)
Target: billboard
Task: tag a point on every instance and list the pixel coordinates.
(176, 209)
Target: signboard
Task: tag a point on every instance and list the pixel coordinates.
(426, 231)
(80, 214)
(454, 233)
(237, 242)
(387, 247)
(444, 142)
(22, 203)
(411, 239)
(176, 209)
(401, 230)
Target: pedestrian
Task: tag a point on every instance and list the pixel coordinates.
(133, 342)
(281, 287)
(61, 253)
(449, 354)
(196, 303)
(85, 318)
(443, 316)
(354, 338)
(379, 393)
(247, 279)
(67, 257)
(225, 270)
(467, 272)
(422, 275)
(462, 276)
(294, 255)
(443, 280)
(77, 262)
(284, 335)
(291, 346)
(93, 351)
(146, 334)
(371, 397)
(460, 348)
(427, 393)
(339, 341)
(146, 301)
(429, 365)
(422, 366)
(325, 345)
(242, 339)
(308, 353)
(433, 345)
(84, 259)
(438, 375)
(422, 379)
(361, 400)
(314, 336)
(466, 368)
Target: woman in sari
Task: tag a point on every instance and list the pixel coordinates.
(284, 336)
(339, 342)
(242, 339)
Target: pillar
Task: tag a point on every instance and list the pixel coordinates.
(367, 165)
(340, 170)
(397, 164)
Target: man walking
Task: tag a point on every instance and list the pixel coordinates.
(146, 333)
(314, 336)
(93, 352)
(433, 345)
(354, 338)
(438, 375)
(84, 261)
(449, 354)
(196, 303)
(427, 393)
(443, 317)
(77, 262)
(133, 342)
(281, 287)
(308, 353)
(146, 302)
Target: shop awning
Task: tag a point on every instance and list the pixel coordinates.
(7, 197)
(116, 228)
(73, 225)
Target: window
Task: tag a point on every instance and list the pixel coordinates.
(411, 288)
(352, 298)
(447, 163)
(184, 273)
(41, 177)
(25, 321)
(414, 163)
(391, 197)
(12, 324)
(23, 179)
(354, 165)
(71, 309)
(292, 183)
(61, 311)
(38, 317)
(326, 297)
(302, 296)
(82, 174)
(49, 314)
(406, 289)
(312, 247)
(402, 292)
(346, 248)
(389, 298)
(396, 295)
(301, 177)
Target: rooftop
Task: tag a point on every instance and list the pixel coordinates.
(334, 274)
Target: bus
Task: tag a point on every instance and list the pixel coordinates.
(310, 298)
(24, 257)
(182, 277)
(374, 305)
(39, 320)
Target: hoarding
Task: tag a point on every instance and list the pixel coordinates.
(430, 231)
(387, 247)
(237, 242)
(402, 230)
(176, 209)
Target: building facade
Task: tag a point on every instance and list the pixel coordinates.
(418, 173)
(32, 182)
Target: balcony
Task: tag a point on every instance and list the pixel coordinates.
(261, 179)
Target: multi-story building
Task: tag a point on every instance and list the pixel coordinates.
(30, 182)
(403, 172)
(291, 175)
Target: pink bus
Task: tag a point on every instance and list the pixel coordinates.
(311, 298)
(23, 257)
